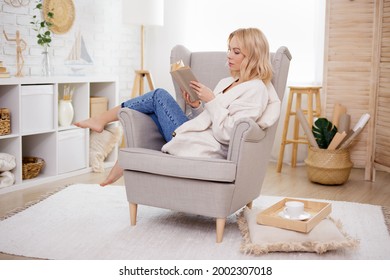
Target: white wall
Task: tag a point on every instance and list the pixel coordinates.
(205, 25)
(114, 47)
(197, 24)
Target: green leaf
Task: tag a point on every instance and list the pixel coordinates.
(323, 131)
(41, 25)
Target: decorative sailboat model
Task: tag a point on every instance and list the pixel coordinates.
(78, 58)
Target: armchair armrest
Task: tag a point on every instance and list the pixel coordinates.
(244, 130)
(140, 130)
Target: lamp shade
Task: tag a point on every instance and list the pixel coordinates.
(143, 12)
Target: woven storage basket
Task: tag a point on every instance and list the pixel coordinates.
(31, 167)
(328, 167)
(5, 121)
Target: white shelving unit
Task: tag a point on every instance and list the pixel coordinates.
(46, 138)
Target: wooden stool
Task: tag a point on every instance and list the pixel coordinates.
(138, 87)
(311, 112)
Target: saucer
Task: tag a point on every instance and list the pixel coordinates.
(302, 217)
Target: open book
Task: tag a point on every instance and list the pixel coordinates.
(183, 76)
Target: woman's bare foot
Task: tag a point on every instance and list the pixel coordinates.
(115, 173)
(93, 123)
(97, 123)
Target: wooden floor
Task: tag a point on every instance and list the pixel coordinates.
(291, 182)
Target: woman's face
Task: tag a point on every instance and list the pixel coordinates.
(235, 55)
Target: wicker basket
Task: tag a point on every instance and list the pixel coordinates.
(328, 167)
(5, 121)
(31, 167)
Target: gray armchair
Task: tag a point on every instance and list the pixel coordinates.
(204, 186)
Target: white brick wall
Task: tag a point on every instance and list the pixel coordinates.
(113, 46)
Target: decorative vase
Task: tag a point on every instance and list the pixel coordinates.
(65, 112)
(46, 64)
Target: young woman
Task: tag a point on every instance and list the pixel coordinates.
(207, 130)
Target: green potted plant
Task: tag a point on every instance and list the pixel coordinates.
(327, 166)
(42, 27)
(323, 131)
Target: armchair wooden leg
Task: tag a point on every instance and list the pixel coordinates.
(133, 213)
(249, 205)
(220, 228)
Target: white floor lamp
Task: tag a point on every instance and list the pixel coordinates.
(144, 13)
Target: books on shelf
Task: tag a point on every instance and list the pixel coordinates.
(5, 75)
(3, 71)
(183, 75)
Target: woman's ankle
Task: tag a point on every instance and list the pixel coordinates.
(115, 174)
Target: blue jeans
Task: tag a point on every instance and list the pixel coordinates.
(162, 108)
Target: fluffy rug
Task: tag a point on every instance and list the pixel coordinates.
(90, 222)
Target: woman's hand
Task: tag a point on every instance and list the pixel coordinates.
(187, 99)
(204, 93)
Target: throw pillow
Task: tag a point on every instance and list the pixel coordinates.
(101, 144)
(260, 239)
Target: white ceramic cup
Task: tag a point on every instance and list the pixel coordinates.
(294, 209)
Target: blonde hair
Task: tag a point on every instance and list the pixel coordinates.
(256, 63)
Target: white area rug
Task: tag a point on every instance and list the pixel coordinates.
(90, 222)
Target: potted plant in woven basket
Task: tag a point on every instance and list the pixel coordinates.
(327, 166)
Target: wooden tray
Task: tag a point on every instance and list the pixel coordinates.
(318, 211)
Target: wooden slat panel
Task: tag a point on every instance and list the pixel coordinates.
(382, 126)
(348, 64)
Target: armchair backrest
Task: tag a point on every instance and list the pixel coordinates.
(208, 67)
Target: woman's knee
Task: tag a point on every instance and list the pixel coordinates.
(162, 92)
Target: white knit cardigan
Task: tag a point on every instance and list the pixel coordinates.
(208, 134)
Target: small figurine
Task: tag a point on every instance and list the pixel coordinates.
(20, 47)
